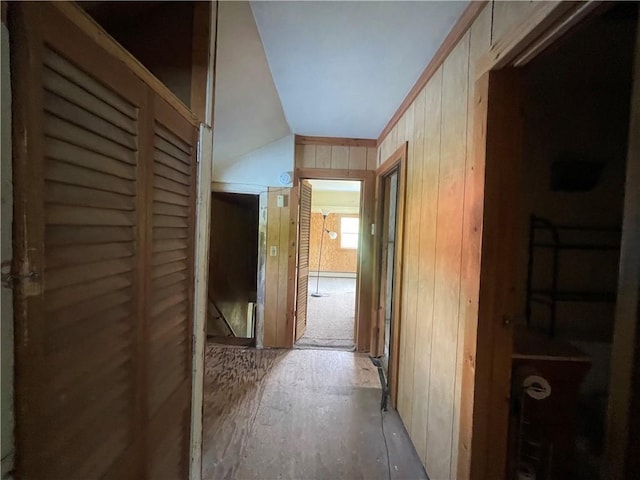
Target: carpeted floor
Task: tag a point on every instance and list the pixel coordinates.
(330, 319)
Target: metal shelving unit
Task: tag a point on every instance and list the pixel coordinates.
(543, 234)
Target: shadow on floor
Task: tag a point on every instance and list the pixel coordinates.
(293, 414)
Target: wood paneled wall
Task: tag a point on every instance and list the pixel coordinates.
(441, 256)
(276, 329)
(334, 257)
(341, 157)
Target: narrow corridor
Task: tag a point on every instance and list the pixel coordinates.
(300, 414)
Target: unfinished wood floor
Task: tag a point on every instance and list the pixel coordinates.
(299, 414)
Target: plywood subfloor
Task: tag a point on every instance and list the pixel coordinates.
(330, 319)
(294, 414)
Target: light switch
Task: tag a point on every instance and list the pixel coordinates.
(280, 201)
(273, 251)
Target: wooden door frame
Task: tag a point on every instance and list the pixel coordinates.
(396, 162)
(364, 276)
(497, 141)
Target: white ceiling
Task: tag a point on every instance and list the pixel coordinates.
(335, 185)
(341, 69)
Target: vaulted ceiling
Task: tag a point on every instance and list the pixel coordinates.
(342, 68)
(326, 68)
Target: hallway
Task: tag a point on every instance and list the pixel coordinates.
(330, 318)
(299, 414)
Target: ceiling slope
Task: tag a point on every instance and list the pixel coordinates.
(342, 68)
(248, 112)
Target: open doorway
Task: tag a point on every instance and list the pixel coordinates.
(576, 101)
(329, 236)
(233, 263)
(390, 186)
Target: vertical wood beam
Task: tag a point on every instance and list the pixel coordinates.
(203, 217)
(201, 44)
(501, 146)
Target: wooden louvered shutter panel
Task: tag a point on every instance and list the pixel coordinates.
(303, 257)
(77, 171)
(170, 293)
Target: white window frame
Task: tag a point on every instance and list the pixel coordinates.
(348, 234)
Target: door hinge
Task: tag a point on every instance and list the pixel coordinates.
(10, 279)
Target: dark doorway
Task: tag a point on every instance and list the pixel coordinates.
(576, 129)
(388, 258)
(233, 264)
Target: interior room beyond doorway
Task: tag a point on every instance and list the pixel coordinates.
(333, 264)
(233, 260)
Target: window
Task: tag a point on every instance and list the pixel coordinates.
(349, 232)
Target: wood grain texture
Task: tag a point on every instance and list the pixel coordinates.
(357, 158)
(498, 274)
(98, 282)
(339, 155)
(372, 158)
(480, 38)
(397, 164)
(507, 14)
(474, 394)
(234, 383)
(257, 423)
(447, 261)
(533, 20)
(277, 270)
(339, 141)
(409, 286)
(428, 193)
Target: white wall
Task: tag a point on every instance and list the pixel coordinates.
(6, 296)
(335, 202)
(259, 169)
(248, 112)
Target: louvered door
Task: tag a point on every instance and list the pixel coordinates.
(304, 229)
(103, 361)
(170, 292)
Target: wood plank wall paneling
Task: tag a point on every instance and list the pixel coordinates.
(338, 157)
(276, 269)
(480, 38)
(447, 258)
(442, 254)
(428, 191)
(507, 14)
